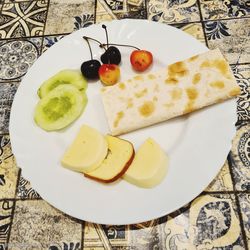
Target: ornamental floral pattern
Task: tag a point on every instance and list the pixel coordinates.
(16, 57)
(212, 10)
(23, 19)
(167, 11)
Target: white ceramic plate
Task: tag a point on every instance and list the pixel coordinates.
(197, 144)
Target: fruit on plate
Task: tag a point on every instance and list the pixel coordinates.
(119, 157)
(66, 76)
(109, 74)
(86, 152)
(112, 54)
(141, 60)
(90, 68)
(149, 166)
(60, 107)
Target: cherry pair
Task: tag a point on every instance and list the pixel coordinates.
(90, 68)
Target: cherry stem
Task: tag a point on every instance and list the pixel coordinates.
(87, 40)
(104, 27)
(93, 39)
(115, 44)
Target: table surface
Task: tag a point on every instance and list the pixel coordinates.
(218, 219)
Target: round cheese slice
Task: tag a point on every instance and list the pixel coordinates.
(87, 151)
(149, 166)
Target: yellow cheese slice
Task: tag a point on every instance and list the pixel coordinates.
(87, 151)
(149, 166)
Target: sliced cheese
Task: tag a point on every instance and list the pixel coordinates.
(87, 151)
(119, 157)
(149, 166)
(180, 88)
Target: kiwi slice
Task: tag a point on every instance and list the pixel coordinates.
(63, 77)
(60, 107)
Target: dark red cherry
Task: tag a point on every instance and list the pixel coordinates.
(112, 56)
(90, 69)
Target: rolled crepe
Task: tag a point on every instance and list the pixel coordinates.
(180, 88)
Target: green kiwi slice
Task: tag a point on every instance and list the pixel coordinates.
(63, 77)
(60, 107)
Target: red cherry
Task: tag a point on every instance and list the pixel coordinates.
(109, 74)
(141, 60)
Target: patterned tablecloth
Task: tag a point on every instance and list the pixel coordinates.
(218, 219)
